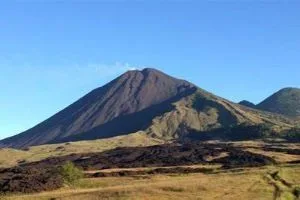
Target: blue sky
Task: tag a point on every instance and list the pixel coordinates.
(51, 54)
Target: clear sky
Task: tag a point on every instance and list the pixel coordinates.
(51, 54)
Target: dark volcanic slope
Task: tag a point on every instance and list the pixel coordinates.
(247, 103)
(130, 93)
(285, 101)
(148, 101)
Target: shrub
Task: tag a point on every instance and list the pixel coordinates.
(296, 191)
(292, 135)
(70, 173)
(238, 132)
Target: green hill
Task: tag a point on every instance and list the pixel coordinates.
(286, 102)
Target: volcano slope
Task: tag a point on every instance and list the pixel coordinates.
(109, 109)
(286, 102)
(149, 102)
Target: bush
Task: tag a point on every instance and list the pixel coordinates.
(70, 173)
(292, 135)
(296, 192)
(236, 133)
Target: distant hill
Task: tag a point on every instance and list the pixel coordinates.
(247, 103)
(286, 102)
(147, 101)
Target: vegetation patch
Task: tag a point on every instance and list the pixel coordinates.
(282, 188)
(292, 135)
(172, 189)
(172, 170)
(247, 131)
(70, 173)
(239, 132)
(296, 191)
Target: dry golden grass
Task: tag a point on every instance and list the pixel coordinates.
(10, 157)
(247, 185)
(277, 156)
(291, 174)
(201, 166)
(285, 181)
(261, 143)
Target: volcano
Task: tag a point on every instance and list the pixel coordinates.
(147, 101)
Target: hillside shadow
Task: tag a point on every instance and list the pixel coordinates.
(225, 117)
(128, 123)
(240, 132)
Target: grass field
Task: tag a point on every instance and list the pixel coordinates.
(275, 182)
(248, 184)
(11, 157)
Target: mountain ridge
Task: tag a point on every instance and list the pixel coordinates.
(285, 101)
(247, 103)
(131, 92)
(147, 101)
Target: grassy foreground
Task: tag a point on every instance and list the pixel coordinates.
(254, 183)
(12, 157)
